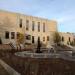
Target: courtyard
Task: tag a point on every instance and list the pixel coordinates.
(38, 66)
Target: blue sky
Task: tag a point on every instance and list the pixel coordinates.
(63, 11)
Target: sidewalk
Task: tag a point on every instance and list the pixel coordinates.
(3, 71)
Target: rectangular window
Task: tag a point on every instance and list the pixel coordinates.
(32, 39)
(47, 38)
(7, 35)
(33, 24)
(69, 39)
(43, 27)
(43, 38)
(62, 39)
(38, 26)
(27, 24)
(28, 37)
(12, 35)
(20, 23)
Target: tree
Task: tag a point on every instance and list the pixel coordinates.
(56, 38)
(20, 39)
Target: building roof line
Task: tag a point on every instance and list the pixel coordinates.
(1, 10)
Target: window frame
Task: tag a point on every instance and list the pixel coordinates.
(12, 35)
(27, 24)
(28, 37)
(7, 35)
(20, 24)
(33, 39)
(33, 25)
(48, 38)
(38, 26)
(44, 27)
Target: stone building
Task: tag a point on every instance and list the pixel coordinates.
(67, 38)
(31, 27)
